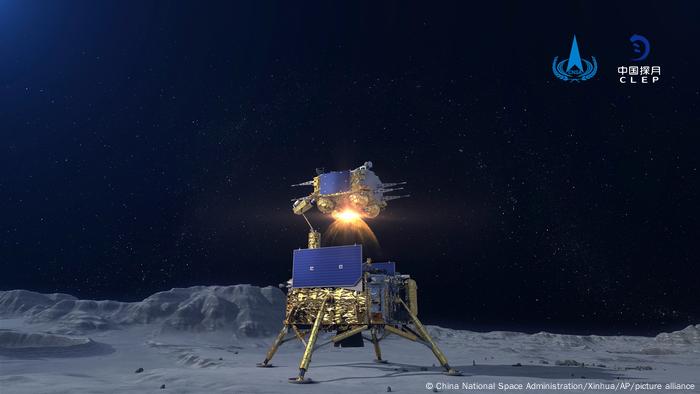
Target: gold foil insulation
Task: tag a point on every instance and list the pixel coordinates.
(412, 288)
(314, 239)
(346, 307)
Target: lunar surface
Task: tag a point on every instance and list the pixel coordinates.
(207, 339)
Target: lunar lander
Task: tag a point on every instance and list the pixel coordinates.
(360, 190)
(333, 290)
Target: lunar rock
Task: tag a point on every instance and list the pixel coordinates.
(207, 339)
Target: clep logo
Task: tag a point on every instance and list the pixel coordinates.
(574, 68)
(639, 73)
(640, 45)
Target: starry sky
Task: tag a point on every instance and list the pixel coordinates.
(149, 145)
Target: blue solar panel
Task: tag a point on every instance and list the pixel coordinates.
(334, 182)
(335, 266)
(389, 267)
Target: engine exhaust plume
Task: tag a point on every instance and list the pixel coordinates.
(349, 227)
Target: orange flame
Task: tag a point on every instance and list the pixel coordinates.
(349, 227)
(347, 215)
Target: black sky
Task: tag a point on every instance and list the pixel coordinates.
(150, 145)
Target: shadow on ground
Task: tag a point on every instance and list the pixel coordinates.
(530, 371)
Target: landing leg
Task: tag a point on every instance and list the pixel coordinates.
(377, 350)
(433, 346)
(275, 345)
(299, 334)
(306, 359)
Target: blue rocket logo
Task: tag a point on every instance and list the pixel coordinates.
(574, 68)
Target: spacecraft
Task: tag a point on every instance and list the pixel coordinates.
(360, 190)
(334, 289)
